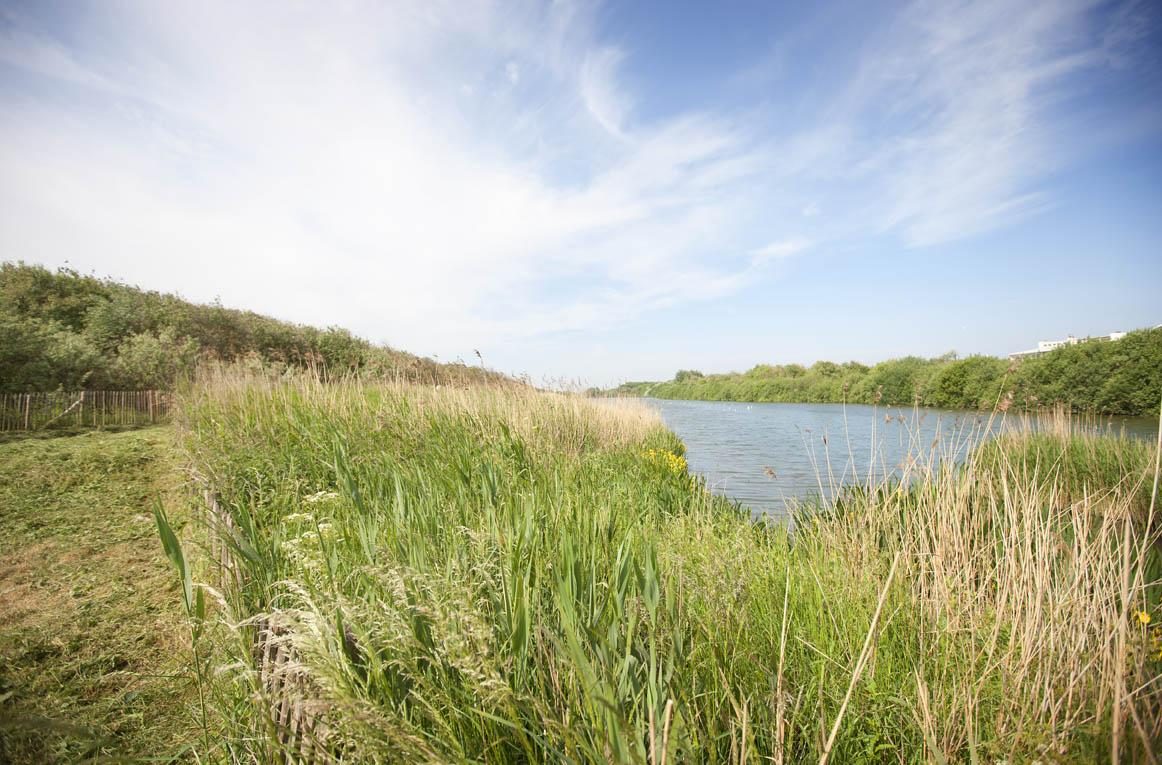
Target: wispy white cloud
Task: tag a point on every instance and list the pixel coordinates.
(306, 171)
(608, 105)
(25, 50)
(958, 112)
(446, 175)
(783, 248)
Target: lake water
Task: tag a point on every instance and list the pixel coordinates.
(765, 455)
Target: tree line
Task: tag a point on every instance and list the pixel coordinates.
(1106, 377)
(65, 330)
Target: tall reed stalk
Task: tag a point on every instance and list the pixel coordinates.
(494, 574)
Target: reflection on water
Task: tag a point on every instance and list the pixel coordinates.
(766, 454)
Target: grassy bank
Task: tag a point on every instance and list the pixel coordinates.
(1121, 377)
(499, 575)
(92, 645)
(65, 331)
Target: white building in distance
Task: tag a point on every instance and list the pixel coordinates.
(1045, 346)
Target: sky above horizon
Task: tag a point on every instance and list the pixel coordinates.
(602, 192)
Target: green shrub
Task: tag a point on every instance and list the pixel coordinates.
(1119, 377)
(64, 330)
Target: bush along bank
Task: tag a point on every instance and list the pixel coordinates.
(1120, 377)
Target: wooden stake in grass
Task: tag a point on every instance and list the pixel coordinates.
(780, 703)
(859, 665)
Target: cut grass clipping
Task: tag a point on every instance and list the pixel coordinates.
(93, 644)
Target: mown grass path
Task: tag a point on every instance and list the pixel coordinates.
(93, 645)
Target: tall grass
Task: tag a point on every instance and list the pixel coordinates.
(493, 574)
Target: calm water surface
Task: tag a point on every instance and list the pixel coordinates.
(765, 455)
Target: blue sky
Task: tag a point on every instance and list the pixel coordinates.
(600, 192)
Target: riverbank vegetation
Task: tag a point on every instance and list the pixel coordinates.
(63, 330)
(493, 574)
(1120, 377)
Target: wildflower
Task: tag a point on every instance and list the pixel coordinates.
(319, 496)
(1143, 617)
(671, 461)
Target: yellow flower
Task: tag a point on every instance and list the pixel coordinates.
(669, 460)
(1143, 617)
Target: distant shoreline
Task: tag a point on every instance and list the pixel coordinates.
(1111, 378)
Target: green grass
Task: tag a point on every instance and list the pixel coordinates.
(1081, 463)
(497, 575)
(491, 574)
(92, 643)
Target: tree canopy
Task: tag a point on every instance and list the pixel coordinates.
(1106, 377)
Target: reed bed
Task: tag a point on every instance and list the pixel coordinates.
(493, 574)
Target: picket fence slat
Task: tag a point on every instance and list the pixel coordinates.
(82, 409)
(287, 690)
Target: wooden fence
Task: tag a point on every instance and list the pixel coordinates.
(290, 697)
(83, 409)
